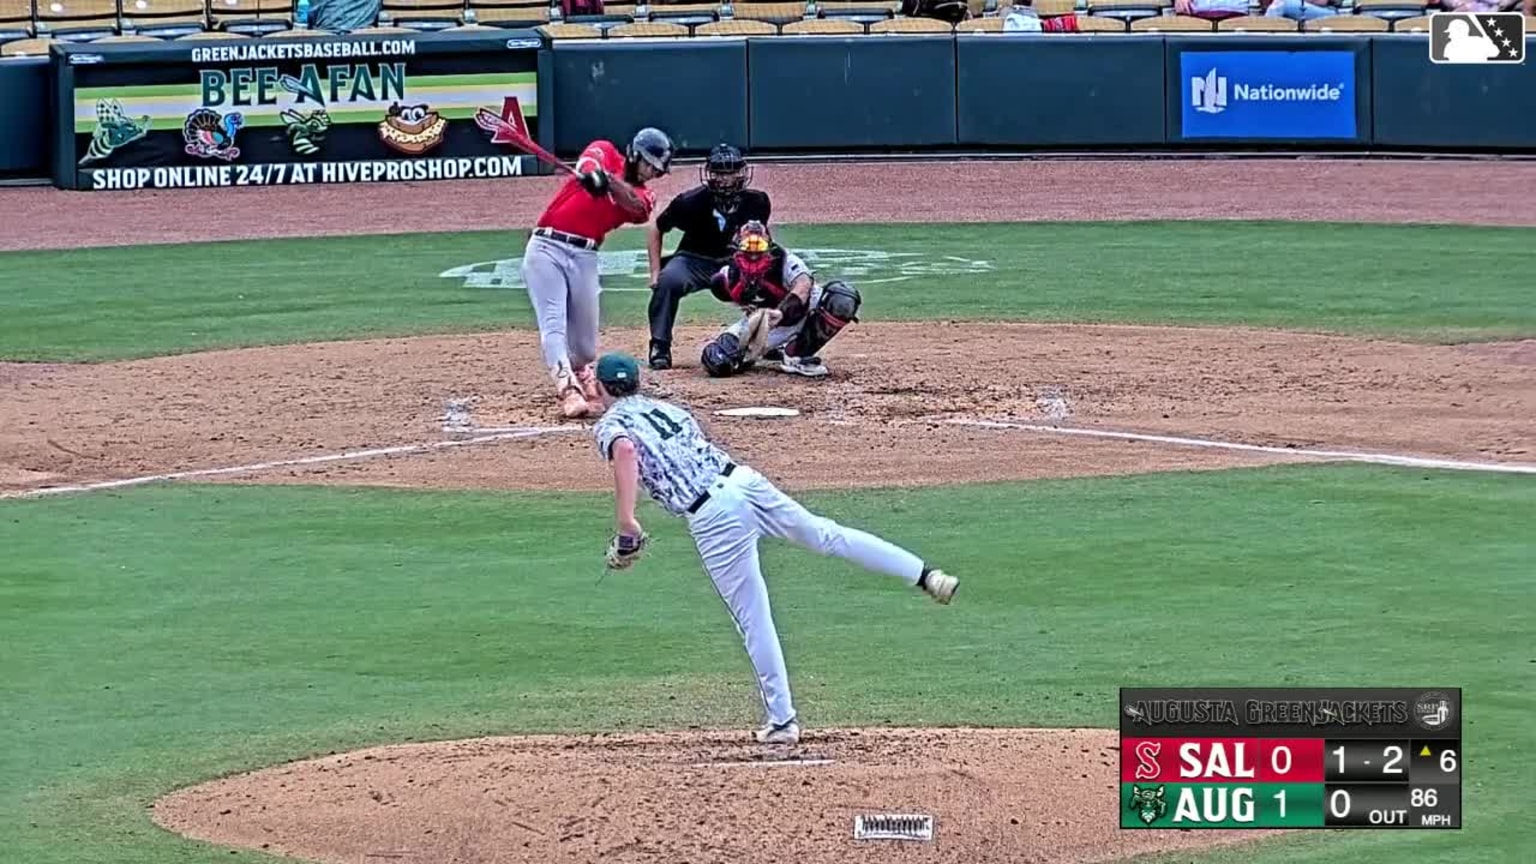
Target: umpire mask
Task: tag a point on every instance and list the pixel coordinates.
(726, 173)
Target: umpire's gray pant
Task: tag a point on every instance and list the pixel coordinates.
(562, 286)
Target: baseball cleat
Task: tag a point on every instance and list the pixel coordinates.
(784, 733)
(588, 378)
(810, 367)
(940, 586)
(572, 403)
(661, 356)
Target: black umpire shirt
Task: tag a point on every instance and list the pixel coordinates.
(706, 232)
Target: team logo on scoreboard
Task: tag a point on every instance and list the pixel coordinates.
(1148, 804)
(1147, 767)
(1433, 710)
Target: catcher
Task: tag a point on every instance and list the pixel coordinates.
(787, 318)
(729, 507)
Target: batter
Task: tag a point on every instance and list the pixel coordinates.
(560, 262)
(729, 508)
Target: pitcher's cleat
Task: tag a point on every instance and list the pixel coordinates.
(939, 585)
(785, 733)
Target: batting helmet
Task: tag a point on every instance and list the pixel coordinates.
(652, 146)
(726, 173)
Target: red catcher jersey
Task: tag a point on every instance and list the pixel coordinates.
(574, 210)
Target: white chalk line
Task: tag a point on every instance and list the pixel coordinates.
(506, 434)
(765, 763)
(1210, 443)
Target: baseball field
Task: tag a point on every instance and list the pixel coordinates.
(297, 558)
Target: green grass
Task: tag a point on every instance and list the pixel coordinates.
(157, 637)
(1419, 282)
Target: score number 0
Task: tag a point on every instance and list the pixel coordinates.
(1419, 797)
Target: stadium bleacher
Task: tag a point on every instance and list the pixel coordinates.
(27, 27)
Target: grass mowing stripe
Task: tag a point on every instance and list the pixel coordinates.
(1418, 282)
(165, 635)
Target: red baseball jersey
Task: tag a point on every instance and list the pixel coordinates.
(574, 210)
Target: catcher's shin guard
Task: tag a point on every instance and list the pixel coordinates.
(837, 308)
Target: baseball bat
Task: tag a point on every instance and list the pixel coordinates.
(504, 132)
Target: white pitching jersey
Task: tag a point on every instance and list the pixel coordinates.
(677, 462)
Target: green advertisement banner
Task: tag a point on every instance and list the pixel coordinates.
(287, 112)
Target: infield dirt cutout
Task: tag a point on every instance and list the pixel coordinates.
(880, 420)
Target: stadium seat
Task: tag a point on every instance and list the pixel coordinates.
(383, 30)
(422, 14)
(773, 13)
(823, 27)
(1172, 24)
(130, 38)
(1100, 24)
(26, 48)
(306, 33)
(980, 25)
(165, 17)
(511, 13)
(571, 31)
(1256, 24)
(1129, 10)
(1392, 9)
(907, 26)
(77, 20)
(1345, 24)
(15, 19)
(210, 36)
(251, 17)
(1411, 25)
(648, 30)
(1055, 8)
(862, 11)
(736, 28)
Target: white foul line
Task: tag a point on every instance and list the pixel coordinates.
(1345, 455)
(349, 456)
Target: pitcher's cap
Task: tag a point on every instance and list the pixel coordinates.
(617, 367)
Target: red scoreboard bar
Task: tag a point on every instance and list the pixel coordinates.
(1284, 757)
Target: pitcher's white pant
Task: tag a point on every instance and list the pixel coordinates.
(745, 507)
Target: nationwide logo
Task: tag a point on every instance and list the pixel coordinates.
(1208, 92)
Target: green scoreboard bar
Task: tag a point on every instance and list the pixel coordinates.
(1290, 757)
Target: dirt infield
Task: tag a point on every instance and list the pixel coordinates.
(378, 412)
(885, 417)
(688, 797)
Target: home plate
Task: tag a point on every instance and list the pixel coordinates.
(758, 412)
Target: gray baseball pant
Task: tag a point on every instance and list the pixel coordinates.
(562, 286)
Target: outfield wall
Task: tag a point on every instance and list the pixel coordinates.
(781, 94)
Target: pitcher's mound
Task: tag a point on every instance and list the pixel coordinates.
(995, 795)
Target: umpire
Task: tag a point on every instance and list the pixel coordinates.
(708, 215)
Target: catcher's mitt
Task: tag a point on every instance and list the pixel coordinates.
(625, 549)
(758, 324)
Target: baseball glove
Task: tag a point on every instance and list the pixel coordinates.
(625, 549)
(758, 324)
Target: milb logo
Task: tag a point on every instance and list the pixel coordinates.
(1208, 94)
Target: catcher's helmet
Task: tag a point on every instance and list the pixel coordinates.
(652, 146)
(726, 173)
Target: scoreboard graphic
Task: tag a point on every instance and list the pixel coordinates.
(1281, 757)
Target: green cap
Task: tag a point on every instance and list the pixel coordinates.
(616, 367)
